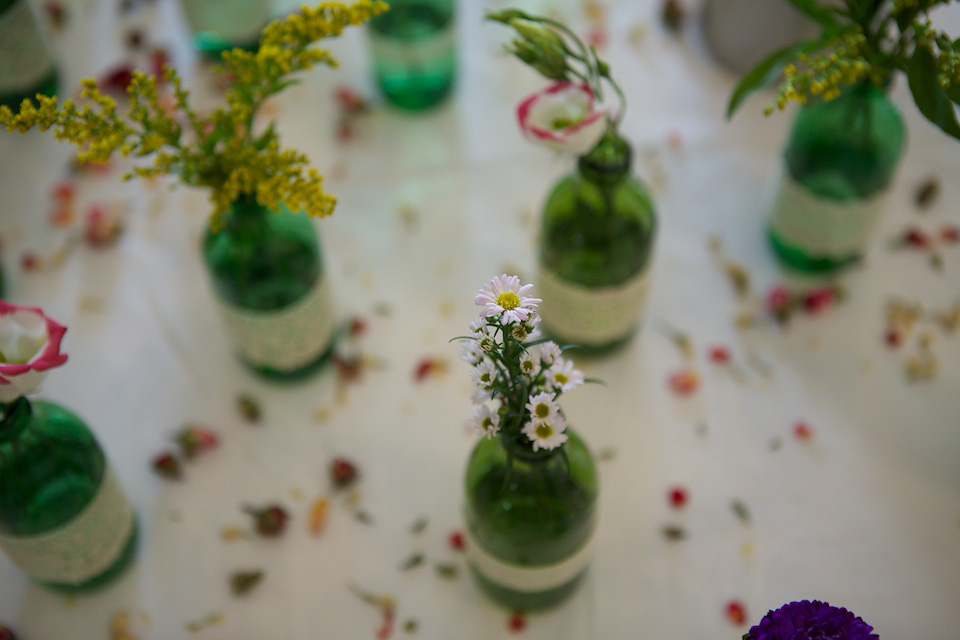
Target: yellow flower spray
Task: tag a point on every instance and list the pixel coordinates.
(219, 151)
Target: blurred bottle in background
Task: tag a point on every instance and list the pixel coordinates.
(26, 64)
(221, 25)
(414, 52)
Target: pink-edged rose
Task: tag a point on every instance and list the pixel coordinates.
(29, 345)
(564, 117)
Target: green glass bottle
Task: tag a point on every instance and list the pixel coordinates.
(26, 65)
(530, 518)
(222, 25)
(414, 52)
(271, 288)
(64, 519)
(840, 158)
(596, 243)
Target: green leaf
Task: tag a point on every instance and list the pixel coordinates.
(814, 10)
(932, 101)
(768, 70)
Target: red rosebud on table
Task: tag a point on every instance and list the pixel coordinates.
(343, 473)
(195, 439)
(168, 466)
(269, 521)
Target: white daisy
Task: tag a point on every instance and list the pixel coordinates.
(478, 327)
(505, 297)
(546, 435)
(486, 421)
(470, 352)
(549, 352)
(527, 364)
(543, 408)
(483, 375)
(563, 376)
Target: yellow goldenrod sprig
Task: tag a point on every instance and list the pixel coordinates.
(220, 150)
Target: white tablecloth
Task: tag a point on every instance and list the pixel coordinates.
(864, 514)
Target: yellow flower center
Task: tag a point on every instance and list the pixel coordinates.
(508, 301)
(561, 379)
(487, 424)
(544, 431)
(542, 410)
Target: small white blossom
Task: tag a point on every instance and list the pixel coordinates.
(563, 376)
(505, 297)
(519, 332)
(470, 352)
(483, 375)
(543, 408)
(549, 352)
(546, 435)
(478, 327)
(486, 421)
(527, 364)
(487, 343)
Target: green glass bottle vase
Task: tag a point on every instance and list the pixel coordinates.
(222, 25)
(414, 52)
(269, 282)
(530, 518)
(596, 244)
(839, 161)
(26, 64)
(64, 519)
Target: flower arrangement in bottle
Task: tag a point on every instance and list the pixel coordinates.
(599, 223)
(811, 620)
(531, 482)
(848, 137)
(64, 519)
(264, 261)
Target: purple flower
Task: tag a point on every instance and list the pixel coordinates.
(811, 620)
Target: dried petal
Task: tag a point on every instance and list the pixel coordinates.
(241, 582)
(927, 193)
(195, 439)
(414, 560)
(270, 521)
(318, 516)
(674, 532)
(343, 472)
(736, 613)
(517, 622)
(684, 382)
(167, 466)
(249, 408)
(457, 541)
(678, 497)
(741, 510)
(446, 570)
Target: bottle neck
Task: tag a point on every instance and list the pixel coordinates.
(519, 446)
(15, 417)
(608, 162)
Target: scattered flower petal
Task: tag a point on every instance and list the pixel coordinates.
(457, 541)
(249, 408)
(517, 622)
(195, 439)
(678, 497)
(343, 472)
(241, 582)
(168, 466)
(736, 613)
(684, 382)
(802, 431)
(270, 521)
(318, 516)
